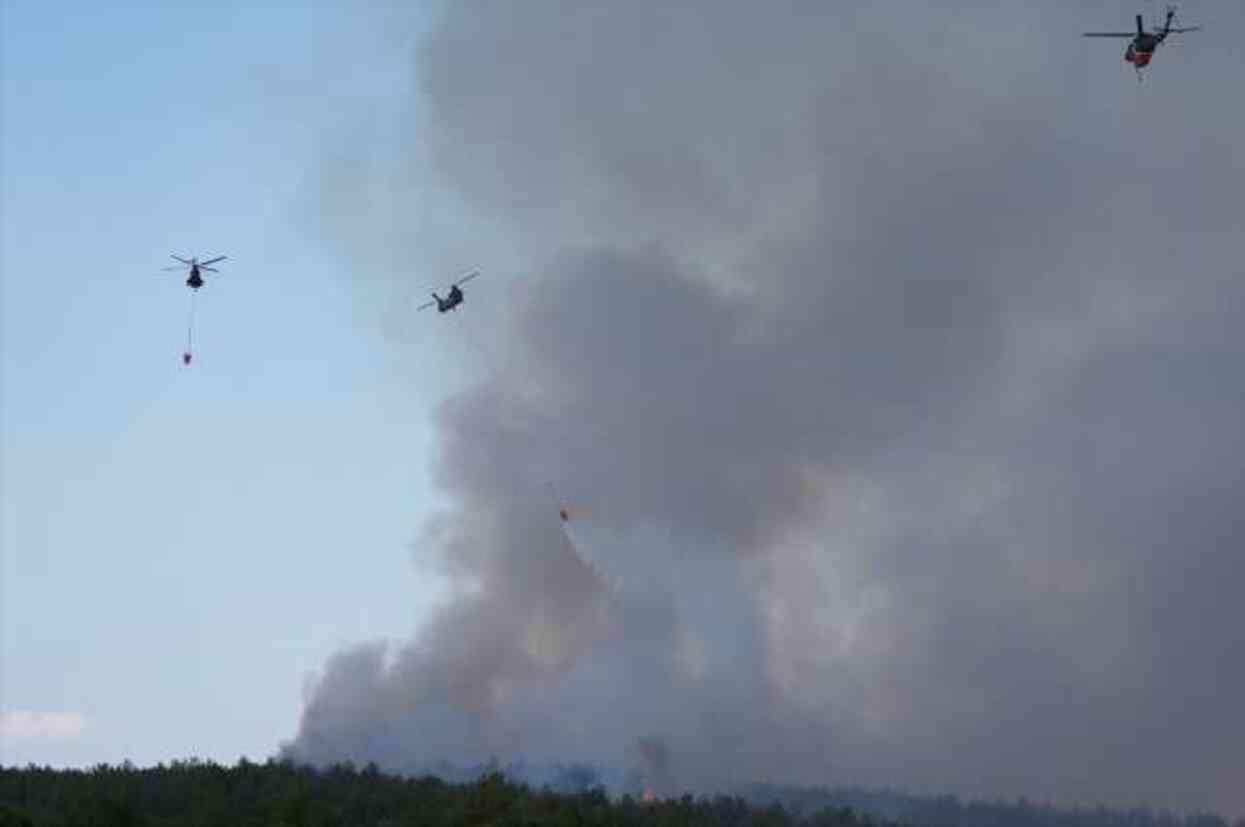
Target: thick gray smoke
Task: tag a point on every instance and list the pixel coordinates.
(893, 357)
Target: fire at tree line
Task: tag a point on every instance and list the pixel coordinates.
(281, 793)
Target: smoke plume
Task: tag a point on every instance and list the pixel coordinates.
(893, 358)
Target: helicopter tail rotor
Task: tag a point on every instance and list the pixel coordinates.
(1171, 18)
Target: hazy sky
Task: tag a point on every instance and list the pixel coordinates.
(888, 357)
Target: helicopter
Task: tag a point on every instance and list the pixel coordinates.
(452, 299)
(195, 280)
(1141, 50)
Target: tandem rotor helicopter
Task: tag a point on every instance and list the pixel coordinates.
(452, 299)
(1141, 50)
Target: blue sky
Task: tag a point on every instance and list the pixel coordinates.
(181, 548)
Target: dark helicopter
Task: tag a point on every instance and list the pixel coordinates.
(1141, 50)
(194, 281)
(452, 299)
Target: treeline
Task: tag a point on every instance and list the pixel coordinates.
(950, 811)
(279, 794)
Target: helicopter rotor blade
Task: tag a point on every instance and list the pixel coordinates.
(209, 269)
(168, 269)
(182, 260)
(1186, 29)
(463, 280)
(213, 260)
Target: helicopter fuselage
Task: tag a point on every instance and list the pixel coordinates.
(1141, 50)
(195, 281)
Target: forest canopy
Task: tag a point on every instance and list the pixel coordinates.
(280, 793)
